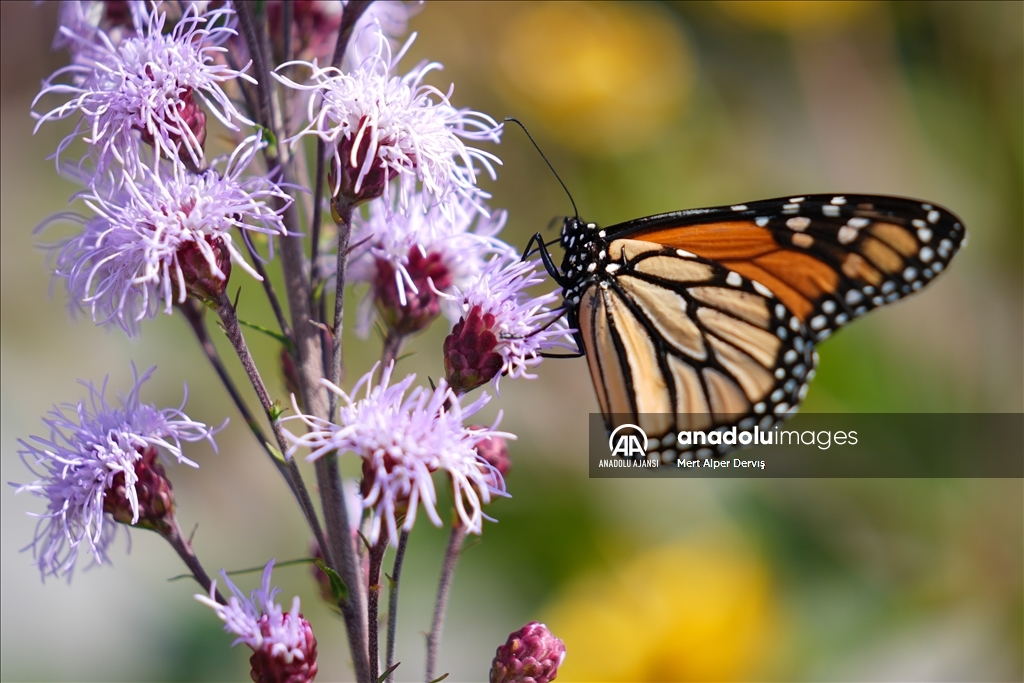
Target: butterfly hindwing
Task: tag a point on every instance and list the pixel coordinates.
(678, 342)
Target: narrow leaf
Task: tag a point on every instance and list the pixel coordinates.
(338, 588)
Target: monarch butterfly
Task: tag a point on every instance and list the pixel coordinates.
(708, 318)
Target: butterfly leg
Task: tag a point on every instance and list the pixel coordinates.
(537, 245)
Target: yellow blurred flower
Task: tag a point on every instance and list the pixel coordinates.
(795, 16)
(683, 612)
(603, 77)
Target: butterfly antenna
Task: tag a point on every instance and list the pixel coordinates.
(537, 147)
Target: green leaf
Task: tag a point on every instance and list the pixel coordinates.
(270, 333)
(439, 678)
(383, 677)
(278, 455)
(338, 588)
(276, 410)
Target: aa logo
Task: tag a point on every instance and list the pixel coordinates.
(631, 443)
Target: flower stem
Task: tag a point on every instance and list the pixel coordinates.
(188, 556)
(344, 212)
(287, 467)
(373, 602)
(195, 314)
(339, 551)
(396, 576)
(451, 557)
(275, 303)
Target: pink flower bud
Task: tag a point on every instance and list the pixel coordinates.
(154, 491)
(406, 311)
(197, 267)
(530, 655)
(359, 183)
(470, 358)
(272, 663)
(192, 116)
(495, 451)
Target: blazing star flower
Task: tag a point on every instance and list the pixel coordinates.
(283, 644)
(80, 24)
(381, 126)
(502, 330)
(410, 259)
(145, 88)
(315, 25)
(97, 454)
(402, 441)
(162, 238)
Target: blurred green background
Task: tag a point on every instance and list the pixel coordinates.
(643, 108)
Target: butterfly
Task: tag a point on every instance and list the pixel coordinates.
(706, 319)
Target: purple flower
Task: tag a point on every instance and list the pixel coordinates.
(381, 126)
(92, 447)
(144, 88)
(283, 644)
(81, 23)
(159, 239)
(503, 330)
(410, 259)
(402, 441)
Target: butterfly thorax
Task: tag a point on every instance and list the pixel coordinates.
(586, 255)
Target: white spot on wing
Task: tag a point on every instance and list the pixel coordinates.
(798, 223)
(761, 221)
(847, 234)
(734, 279)
(838, 201)
(933, 216)
(830, 210)
(739, 207)
(762, 290)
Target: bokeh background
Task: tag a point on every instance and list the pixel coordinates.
(643, 108)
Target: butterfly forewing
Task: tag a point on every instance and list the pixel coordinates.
(829, 258)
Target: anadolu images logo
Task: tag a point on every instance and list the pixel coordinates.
(628, 445)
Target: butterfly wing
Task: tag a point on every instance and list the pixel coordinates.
(678, 342)
(828, 258)
(710, 317)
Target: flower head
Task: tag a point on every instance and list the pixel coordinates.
(81, 23)
(99, 460)
(145, 87)
(154, 242)
(402, 440)
(411, 259)
(283, 644)
(502, 330)
(530, 655)
(381, 126)
(315, 25)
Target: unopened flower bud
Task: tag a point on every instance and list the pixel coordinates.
(359, 183)
(494, 450)
(420, 307)
(530, 655)
(314, 28)
(274, 663)
(470, 359)
(192, 116)
(201, 279)
(154, 491)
